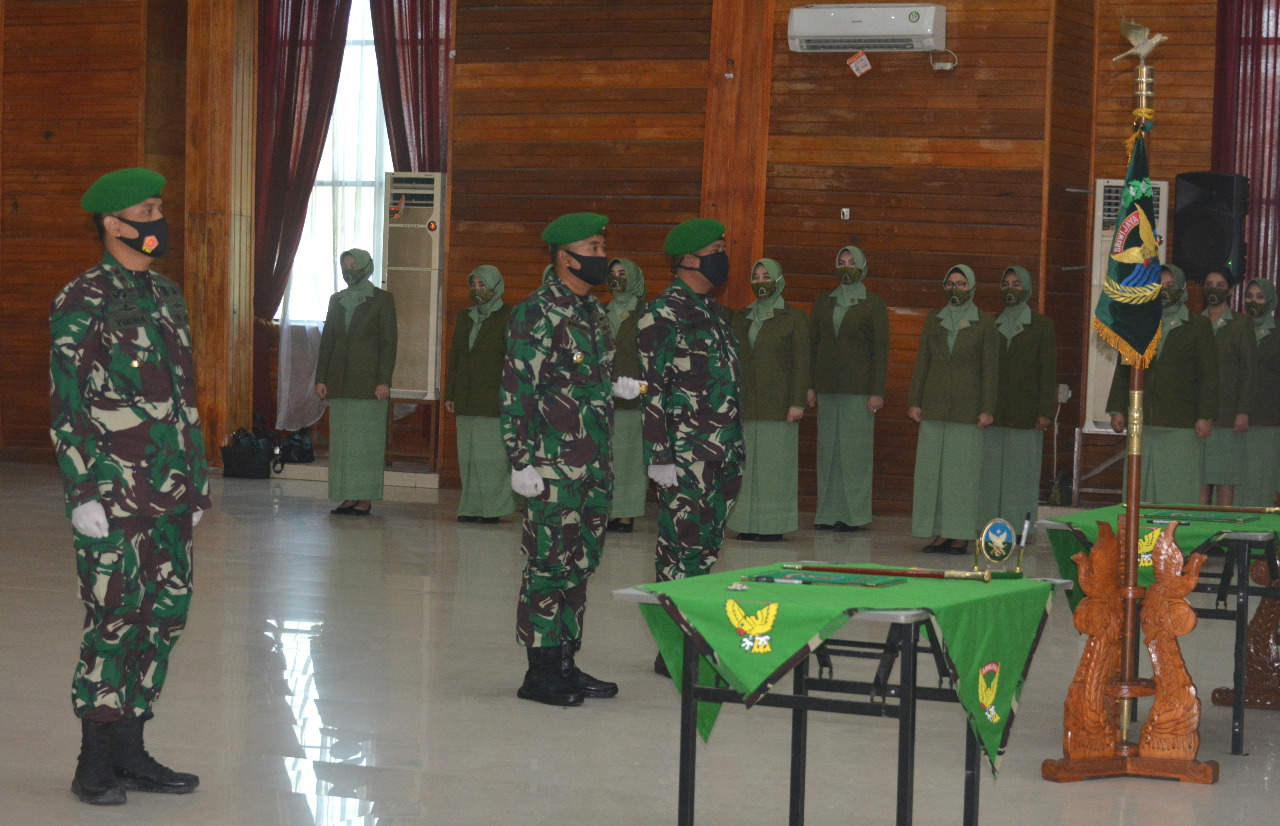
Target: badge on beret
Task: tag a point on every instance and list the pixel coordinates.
(575, 226)
(122, 189)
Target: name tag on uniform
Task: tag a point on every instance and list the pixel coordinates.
(125, 318)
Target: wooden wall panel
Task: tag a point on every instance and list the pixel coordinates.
(937, 168)
(567, 106)
(73, 87)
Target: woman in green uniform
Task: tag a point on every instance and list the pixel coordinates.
(1223, 465)
(630, 480)
(471, 394)
(1179, 399)
(1025, 400)
(953, 398)
(1261, 477)
(353, 373)
(773, 349)
(850, 369)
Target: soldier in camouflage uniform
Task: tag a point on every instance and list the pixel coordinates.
(557, 415)
(127, 436)
(692, 412)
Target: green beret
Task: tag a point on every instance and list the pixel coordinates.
(122, 189)
(693, 235)
(574, 227)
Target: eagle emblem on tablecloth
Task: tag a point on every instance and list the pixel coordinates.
(1146, 545)
(988, 685)
(753, 628)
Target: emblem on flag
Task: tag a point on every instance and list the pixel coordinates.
(988, 682)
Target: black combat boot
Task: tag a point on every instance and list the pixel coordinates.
(139, 771)
(543, 683)
(579, 679)
(94, 781)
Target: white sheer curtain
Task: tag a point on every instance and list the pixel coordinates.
(345, 212)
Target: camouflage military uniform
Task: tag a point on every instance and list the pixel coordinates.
(557, 414)
(692, 419)
(127, 434)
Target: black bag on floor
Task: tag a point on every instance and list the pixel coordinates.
(296, 448)
(247, 457)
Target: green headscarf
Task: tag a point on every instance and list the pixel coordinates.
(1265, 323)
(492, 279)
(762, 309)
(1014, 319)
(954, 318)
(1176, 314)
(624, 303)
(846, 295)
(358, 291)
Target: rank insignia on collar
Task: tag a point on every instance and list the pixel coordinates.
(754, 629)
(578, 357)
(964, 324)
(988, 684)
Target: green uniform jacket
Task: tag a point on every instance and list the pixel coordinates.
(958, 385)
(1235, 340)
(122, 398)
(354, 360)
(854, 361)
(626, 356)
(1181, 385)
(1028, 386)
(775, 370)
(1264, 409)
(475, 373)
(689, 357)
(557, 397)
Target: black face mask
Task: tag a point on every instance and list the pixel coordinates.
(593, 269)
(714, 267)
(1216, 296)
(153, 236)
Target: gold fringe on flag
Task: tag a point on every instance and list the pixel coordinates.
(1128, 355)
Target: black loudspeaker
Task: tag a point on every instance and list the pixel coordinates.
(1208, 224)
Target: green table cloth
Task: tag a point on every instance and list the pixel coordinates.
(1197, 530)
(750, 639)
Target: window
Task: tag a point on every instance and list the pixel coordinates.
(345, 210)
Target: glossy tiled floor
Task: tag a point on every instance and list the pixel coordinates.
(344, 671)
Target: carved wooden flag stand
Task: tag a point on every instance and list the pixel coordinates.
(1100, 702)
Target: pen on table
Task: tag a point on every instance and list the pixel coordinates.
(779, 580)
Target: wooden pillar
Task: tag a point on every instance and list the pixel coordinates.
(221, 46)
(736, 141)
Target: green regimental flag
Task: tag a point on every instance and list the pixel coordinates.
(1128, 313)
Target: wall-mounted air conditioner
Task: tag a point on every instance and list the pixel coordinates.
(868, 27)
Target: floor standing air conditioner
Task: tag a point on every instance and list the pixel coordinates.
(413, 247)
(1102, 357)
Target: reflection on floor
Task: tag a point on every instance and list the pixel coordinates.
(344, 671)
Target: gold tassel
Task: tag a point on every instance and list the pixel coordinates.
(1139, 115)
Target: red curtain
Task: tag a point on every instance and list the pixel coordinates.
(1246, 120)
(411, 39)
(300, 48)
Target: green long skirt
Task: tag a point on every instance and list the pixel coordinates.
(1223, 462)
(1261, 474)
(484, 468)
(630, 479)
(1011, 463)
(1171, 460)
(768, 502)
(846, 443)
(357, 448)
(948, 460)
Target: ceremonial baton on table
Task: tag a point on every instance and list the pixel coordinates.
(919, 573)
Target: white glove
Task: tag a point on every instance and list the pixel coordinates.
(626, 388)
(664, 475)
(90, 519)
(527, 481)
(196, 516)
